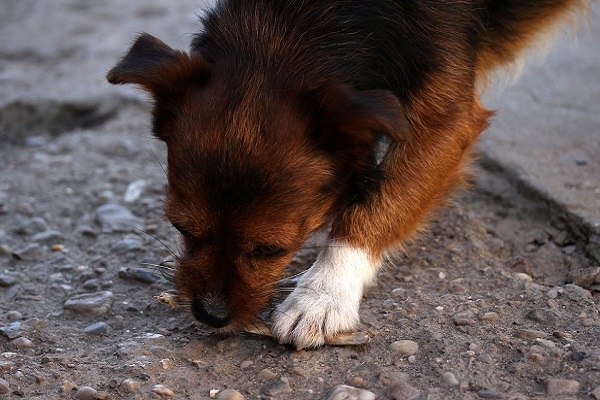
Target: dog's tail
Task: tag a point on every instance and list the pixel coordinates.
(508, 27)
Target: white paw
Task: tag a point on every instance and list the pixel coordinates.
(327, 298)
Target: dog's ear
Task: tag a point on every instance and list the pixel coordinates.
(157, 68)
(359, 116)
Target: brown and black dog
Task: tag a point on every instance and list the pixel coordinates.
(292, 115)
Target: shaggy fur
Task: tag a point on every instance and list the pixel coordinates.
(273, 121)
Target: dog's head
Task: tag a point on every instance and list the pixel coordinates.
(253, 169)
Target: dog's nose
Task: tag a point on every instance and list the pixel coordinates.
(212, 313)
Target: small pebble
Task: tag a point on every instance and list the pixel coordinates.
(449, 379)
(48, 237)
(596, 393)
(14, 316)
(114, 217)
(489, 316)
(162, 390)
(4, 387)
(401, 390)
(130, 385)
(535, 357)
(127, 245)
(555, 387)
(529, 334)
(404, 348)
(464, 318)
(98, 328)
(67, 386)
(21, 343)
(490, 394)
(230, 394)
(8, 280)
(345, 392)
(541, 316)
(30, 252)
(91, 303)
(280, 386)
(266, 374)
(86, 393)
(12, 331)
(246, 363)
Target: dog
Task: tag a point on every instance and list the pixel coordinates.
(289, 116)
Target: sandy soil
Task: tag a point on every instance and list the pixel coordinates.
(497, 299)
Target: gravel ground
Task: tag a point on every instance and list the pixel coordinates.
(497, 300)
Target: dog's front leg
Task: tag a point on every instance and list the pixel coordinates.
(419, 175)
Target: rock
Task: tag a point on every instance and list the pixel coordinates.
(113, 217)
(14, 315)
(577, 293)
(30, 252)
(32, 226)
(555, 387)
(4, 387)
(230, 394)
(91, 303)
(489, 316)
(21, 343)
(130, 385)
(86, 393)
(519, 264)
(8, 280)
(449, 379)
(99, 328)
(48, 237)
(404, 348)
(162, 390)
(541, 316)
(12, 331)
(266, 374)
(280, 386)
(585, 277)
(345, 392)
(138, 274)
(134, 190)
(403, 391)
(464, 318)
(127, 245)
(490, 394)
(529, 334)
(596, 393)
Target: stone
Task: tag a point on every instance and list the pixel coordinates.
(162, 390)
(490, 394)
(402, 390)
(114, 217)
(555, 387)
(280, 386)
(345, 392)
(30, 252)
(48, 237)
(596, 393)
(91, 303)
(541, 316)
(86, 393)
(130, 385)
(449, 379)
(8, 280)
(98, 328)
(12, 331)
(21, 343)
(404, 348)
(127, 245)
(266, 374)
(464, 318)
(4, 387)
(230, 394)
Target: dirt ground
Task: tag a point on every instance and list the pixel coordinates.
(497, 299)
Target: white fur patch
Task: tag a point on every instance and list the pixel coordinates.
(327, 297)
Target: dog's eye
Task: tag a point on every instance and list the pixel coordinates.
(182, 230)
(268, 252)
